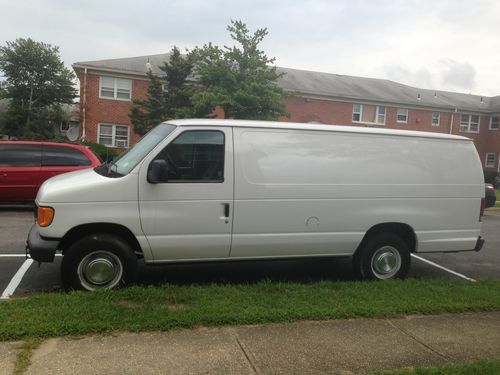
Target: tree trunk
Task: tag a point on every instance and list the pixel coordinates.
(29, 107)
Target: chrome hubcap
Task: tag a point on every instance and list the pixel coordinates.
(100, 269)
(386, 262)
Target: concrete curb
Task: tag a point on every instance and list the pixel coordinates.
(353, 346)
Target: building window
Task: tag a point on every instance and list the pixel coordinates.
(368, 114)
(436, 116)
(494, 122)
(490, 160)
(113, 135)
(115, 88)
(356, 112)
(469, 123)
(64, 126)
(380, 115)
(402, 115)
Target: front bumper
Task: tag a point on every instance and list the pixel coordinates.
(39, 248)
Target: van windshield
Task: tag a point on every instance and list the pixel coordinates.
(129, 159)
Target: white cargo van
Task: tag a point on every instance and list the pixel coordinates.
(204, 190)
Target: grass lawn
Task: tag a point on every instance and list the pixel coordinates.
(477, 368)
(173, 307)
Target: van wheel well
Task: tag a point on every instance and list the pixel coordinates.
(81, 231)
(404, 231)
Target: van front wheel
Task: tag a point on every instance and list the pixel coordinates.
(98, 261)
(384, 256)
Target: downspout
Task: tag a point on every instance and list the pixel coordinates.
(84, 104)
(451, 121)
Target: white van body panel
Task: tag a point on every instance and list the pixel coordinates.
(294, 190)
(314, 192)
(87, 186)
(185, 220)
(86, 197)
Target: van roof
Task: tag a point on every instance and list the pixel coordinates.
(311, 126)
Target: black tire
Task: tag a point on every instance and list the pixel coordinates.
(383, 256)
(98, 261)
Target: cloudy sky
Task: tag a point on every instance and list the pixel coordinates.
(439, 44)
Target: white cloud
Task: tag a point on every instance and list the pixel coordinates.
(460, 75)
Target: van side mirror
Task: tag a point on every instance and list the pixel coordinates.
(158, 172)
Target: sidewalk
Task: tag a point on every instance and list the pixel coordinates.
(348, 346)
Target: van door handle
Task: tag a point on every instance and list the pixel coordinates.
(226, 213)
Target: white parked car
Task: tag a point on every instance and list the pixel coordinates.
(203, 190)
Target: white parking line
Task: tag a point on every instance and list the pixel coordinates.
(19, 255)
(14, 283)
(443, 268)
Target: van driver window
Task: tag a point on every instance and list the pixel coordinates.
(195, 156)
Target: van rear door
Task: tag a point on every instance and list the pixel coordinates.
(189, 216)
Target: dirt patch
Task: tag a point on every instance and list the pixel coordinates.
(130, 304)
(175, 306)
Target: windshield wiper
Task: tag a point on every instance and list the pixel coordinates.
(110, 172)
(109, 164)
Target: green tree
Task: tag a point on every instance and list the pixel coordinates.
(239, 79)
(179, 90)
(2, 91)
(173, 102)
(147, 113)
(36, 84)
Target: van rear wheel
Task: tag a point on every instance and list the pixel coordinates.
(384, 256)
(98, 261)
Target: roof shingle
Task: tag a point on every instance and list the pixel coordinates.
(328, 85)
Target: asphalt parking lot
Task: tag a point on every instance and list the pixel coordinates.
(16, 221)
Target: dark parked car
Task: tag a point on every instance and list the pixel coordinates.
(24, 166)
(490, 196)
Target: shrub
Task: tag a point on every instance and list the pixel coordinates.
(489, 176)
(105, 153)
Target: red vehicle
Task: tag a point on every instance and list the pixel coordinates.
(24, 166)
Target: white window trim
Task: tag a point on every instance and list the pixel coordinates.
(402, 122)
(439, 119)
(113, 134)
(115, 93)
(470, 120)
(486, 165)
(491, 122)
(377, 113)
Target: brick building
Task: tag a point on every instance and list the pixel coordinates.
(108, 86)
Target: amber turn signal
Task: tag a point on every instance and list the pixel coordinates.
(45, 216)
